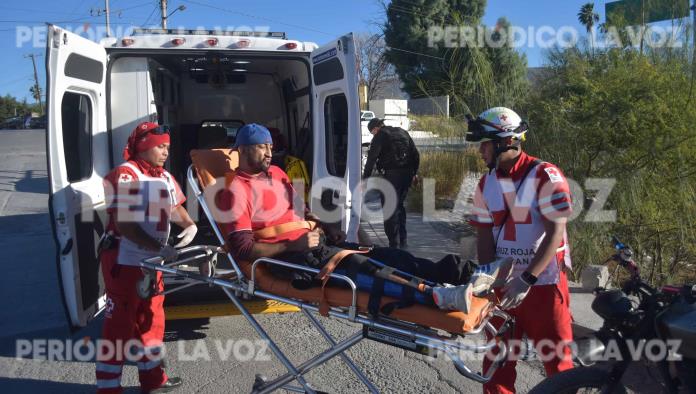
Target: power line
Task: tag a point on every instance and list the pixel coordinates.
(78, 6)
(24, 78)
(255, 16)
(295, 26)
(416, 53)
(72, 13)
(150, 16)
(128, 8)
(43, 21)
(42, 11)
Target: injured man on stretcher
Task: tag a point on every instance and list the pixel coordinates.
(267, 218)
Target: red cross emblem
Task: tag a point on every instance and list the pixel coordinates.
(518, 215)
(124, 178)
(503, 117)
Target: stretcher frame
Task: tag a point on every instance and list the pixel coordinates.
(236, 285)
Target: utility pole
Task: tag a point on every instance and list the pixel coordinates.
(37, 88)
(108, 16)
(163, 7)
(107, 13)
(165, 16)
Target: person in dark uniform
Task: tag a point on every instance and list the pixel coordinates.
(395, 154)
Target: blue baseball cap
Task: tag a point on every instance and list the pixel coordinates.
(252, 134)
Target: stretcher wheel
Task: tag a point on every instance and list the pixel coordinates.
(259, 381)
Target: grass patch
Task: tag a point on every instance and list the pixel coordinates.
(439, 125)
(448, 169)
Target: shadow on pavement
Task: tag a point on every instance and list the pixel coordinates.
(41, 386)
(30, 181)
(188, 329)
(21, 385)
(34, 223)
(9, 344)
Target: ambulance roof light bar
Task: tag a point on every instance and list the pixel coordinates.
(268, 34)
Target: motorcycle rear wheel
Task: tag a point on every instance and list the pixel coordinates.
(578, 380)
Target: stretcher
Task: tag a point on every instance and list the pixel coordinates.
(420, 328)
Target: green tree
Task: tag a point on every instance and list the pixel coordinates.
(10, 107)
(474, 76)
(36, 93)
(624, 116)
(588, 17)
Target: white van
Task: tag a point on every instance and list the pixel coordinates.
(204, 85)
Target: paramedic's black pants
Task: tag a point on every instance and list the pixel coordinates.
(395, 221)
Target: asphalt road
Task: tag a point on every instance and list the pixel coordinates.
(31, 308)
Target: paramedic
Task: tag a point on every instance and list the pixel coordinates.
(520, 210)
(140, 186)
(394, 152)
(264, 217)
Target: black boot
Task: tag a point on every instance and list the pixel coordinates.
(171, 384)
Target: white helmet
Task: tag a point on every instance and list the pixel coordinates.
(495, 124)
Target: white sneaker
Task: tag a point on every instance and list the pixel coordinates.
(485, 278)
(452, 297)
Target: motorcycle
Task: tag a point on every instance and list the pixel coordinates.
(664, 317)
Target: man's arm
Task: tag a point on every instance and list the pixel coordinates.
(482, 219)
(136, 234)
(259, 250)
(485, 245)
(305, 243)
(243, 246)
(181, 218)
(547, 249)
(373, 154)
(555, 206)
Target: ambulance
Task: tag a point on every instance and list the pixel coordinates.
(204, 85)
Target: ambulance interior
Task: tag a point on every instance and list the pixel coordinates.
(205, 97)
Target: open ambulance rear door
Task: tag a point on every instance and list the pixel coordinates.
(337, 138)
(77, 149)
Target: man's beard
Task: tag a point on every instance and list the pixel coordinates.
(262, 166)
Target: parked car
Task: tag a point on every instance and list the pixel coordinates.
(38, 122)
(13, 123)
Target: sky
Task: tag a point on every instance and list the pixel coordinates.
(307, 20)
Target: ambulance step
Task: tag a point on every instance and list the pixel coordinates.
(180, 312)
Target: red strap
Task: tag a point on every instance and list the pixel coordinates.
(325, 274)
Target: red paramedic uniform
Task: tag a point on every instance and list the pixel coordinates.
(128, 318)
(544, 314)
